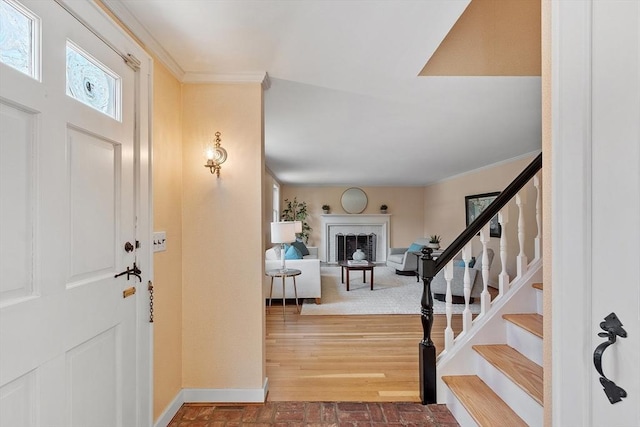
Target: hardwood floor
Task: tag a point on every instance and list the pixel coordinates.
(346, 358)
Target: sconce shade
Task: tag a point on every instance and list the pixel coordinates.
(216, 156)
(283, 232)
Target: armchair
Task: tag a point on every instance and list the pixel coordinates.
(403, 260)
(439, 285)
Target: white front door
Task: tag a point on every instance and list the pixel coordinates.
(68, 326)
(596, 204)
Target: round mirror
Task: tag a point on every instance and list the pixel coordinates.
(354, 200)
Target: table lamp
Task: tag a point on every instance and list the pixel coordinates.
(283, 232)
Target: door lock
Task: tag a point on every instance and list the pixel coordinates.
(135, 271)
(128, 247)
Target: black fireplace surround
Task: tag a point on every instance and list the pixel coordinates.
(346, 245)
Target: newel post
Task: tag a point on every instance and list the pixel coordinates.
(427, 350)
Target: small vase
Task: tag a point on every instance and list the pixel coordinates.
(358, 255)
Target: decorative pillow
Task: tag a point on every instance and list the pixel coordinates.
(460, 262)
(415, 247)
(301, 247)
(292, 253)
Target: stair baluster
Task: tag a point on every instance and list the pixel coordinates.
(466, 314)
(537, 242)
(521, 260)
(448, 332)
(503, 278)
(485, 297)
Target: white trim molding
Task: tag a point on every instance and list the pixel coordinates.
(213, 395)
(132, 24)
(571, 212)
(258, 77)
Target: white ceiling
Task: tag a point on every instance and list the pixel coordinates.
(346, 105)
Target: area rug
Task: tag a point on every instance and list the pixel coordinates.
(391, 294)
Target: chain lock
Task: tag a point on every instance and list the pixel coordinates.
(150, 289)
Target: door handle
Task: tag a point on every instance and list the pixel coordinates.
(614, 329)
(135, 271)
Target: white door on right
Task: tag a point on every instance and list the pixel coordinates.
(595, 90)
(615, 207)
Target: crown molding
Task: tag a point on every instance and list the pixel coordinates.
(150, 43)
(492, 165)
(261, 77)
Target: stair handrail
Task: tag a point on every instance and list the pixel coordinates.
(430, 267)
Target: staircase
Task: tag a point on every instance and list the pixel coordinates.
(490, 374)
(506, 389)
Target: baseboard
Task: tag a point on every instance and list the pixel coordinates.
(227, 395)
(170, 411)
(214, 395)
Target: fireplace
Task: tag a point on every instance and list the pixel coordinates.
(354, 225)
(346, 245)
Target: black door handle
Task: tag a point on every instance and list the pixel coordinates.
(135, 271)
(614, 329)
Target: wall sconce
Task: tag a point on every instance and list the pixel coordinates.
(216, 155)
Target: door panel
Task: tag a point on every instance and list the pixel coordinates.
(98, 398)
(16, 221)
(94, 164)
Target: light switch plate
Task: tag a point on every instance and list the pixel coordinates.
(159, 241)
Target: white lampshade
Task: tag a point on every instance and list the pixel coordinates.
(283, 232)
(298, 226)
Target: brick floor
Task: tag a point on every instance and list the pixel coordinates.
(311, 414)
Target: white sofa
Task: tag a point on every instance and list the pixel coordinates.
(307, 283)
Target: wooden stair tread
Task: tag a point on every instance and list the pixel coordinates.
(483, 404)
(522, 371)
(531, 322)
(537, 286)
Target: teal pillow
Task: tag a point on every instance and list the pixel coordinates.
(292, 253)
(301, 247)
(415, 247)
(460, 262)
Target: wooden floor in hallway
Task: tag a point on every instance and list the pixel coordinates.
(362, 358)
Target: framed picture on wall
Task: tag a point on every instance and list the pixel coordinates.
(475, 204)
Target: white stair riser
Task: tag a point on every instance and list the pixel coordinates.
(530, 345)
(458, 410)
(539, 308)
(519, 400)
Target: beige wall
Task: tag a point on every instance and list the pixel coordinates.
(406, 206)
(223, 320)
(445, 208)
(491, 38)
(167, 216)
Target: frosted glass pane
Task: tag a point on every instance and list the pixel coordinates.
(16, 38)
(91, 83)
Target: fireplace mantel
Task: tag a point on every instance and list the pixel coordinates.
(354, 223)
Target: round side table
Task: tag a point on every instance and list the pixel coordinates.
(287, 272)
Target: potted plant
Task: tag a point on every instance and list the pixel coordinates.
(297, 211)
(434, 242)
(383, 209)
(326, 208)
